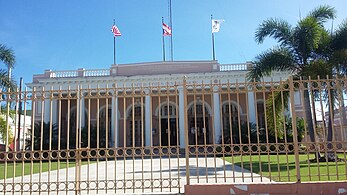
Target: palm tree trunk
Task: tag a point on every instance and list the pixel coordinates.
(309, 121)
(330, 124)
(330, 156)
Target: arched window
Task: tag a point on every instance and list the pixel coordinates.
(102, 117)
(198, 110)
(69, 124)
(168, 110)
(230, 115)
(137, 111)
(199, 123)
(231, 112)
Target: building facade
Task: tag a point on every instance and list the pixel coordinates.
(151, 104)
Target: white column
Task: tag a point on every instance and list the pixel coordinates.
(216, 117)
(289, 111)
(47, 110)
(297, 102)
(148, 120)
(114, 121)
(83, 113)
(251, 107)
(55, 111)
(181, 117)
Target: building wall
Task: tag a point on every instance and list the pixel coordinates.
(150, 75)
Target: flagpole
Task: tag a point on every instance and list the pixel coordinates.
(213, 52)
(171, 43)
(114, 45)
(162, 22)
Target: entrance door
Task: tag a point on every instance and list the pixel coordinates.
(135, 133)
(200, 132)
(165, 132)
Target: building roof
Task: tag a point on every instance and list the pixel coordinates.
(147, 73)
(148, 68)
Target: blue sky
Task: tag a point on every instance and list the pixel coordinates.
(67, 35)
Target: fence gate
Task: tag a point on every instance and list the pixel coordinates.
(158, 137)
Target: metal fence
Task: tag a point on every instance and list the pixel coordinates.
(158, 138)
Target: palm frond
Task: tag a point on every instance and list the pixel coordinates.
(278, 29)
(339, 62)
(323, 13)
(317, 69)
(7, 56)
(5, 82)
(324, 46)
(340, 37)
(275, 115)
(277, 59)
(307, 36)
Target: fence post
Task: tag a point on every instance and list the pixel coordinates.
(294, 129)
(78, 141)
(186, 130)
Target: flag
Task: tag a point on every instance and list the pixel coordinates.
(166, 30)
(115, 31)
(216, 25)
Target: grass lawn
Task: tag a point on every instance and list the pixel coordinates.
(282, 167)
(36, 167)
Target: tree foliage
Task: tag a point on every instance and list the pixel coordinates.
(6, 84)
(307, 50)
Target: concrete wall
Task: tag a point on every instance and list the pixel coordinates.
(269, 188)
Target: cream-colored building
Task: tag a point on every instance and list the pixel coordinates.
(155, 115)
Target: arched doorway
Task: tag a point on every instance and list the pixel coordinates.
(199, 115)
(69, 125)
(105, 126)
(168, 124)
(230, 121)
(135, 132)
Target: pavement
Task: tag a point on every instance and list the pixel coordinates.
(134, 176)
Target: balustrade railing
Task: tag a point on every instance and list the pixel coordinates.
(62, 74)
(107, 72)
(96, 73)
(234, 67)
(79, 73)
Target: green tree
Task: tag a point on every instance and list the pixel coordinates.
(8, 58)
(3, 126)
(306, 50)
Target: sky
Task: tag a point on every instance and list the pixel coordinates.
(67, 35)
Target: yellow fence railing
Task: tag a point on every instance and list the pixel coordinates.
(161, 137)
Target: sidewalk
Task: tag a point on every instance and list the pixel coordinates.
(135, 176)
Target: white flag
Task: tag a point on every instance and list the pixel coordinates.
(216, 25)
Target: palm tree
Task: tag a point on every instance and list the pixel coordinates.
(8, 58)
(332, 62)
(300, 49)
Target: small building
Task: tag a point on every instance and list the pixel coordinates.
(20, 134)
